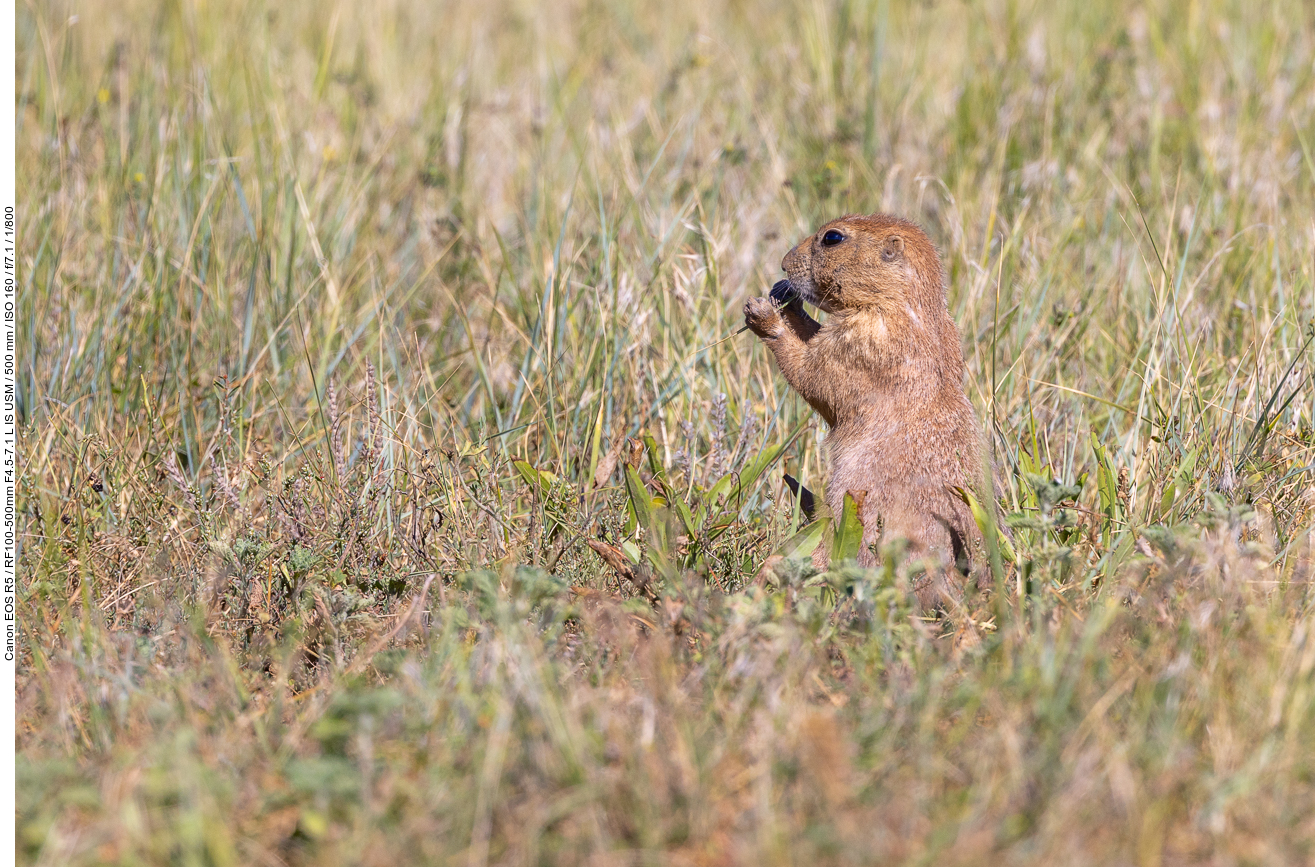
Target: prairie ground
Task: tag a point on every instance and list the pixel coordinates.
(345, 329)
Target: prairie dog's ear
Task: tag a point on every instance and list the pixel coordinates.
(892, 249)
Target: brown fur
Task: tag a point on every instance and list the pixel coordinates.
(886, 373)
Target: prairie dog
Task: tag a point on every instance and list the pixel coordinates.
(886, 373)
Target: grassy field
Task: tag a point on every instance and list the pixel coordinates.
(345, 328)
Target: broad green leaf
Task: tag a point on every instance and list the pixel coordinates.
(1167, 500)
(727, 493)
(470, 448)
(652, 514)
(681, 509)
(754, 468)
(804, 542)
(735, 485)
(1107, 484)
(640, 501)
(987, 526)
(540, 480)
(595, 444)
(1029, 461)
(1187, 467)
(654, 459)
(1184, 480)
(709, 502)
(848, 539)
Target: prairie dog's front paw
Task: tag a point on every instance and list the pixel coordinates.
(763, 317)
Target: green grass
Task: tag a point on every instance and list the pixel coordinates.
(301, 282)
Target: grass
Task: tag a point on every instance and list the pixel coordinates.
(338, 323)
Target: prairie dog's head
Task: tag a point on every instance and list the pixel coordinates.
(875, 261)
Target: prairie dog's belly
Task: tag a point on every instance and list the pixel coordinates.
(867, 456)
(893, 464)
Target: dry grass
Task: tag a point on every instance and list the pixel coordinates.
(301, 282)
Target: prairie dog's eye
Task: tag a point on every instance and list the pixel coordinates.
(832, 237)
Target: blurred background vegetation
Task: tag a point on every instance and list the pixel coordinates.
(340, 325)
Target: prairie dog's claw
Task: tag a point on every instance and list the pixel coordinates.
(762, 317)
